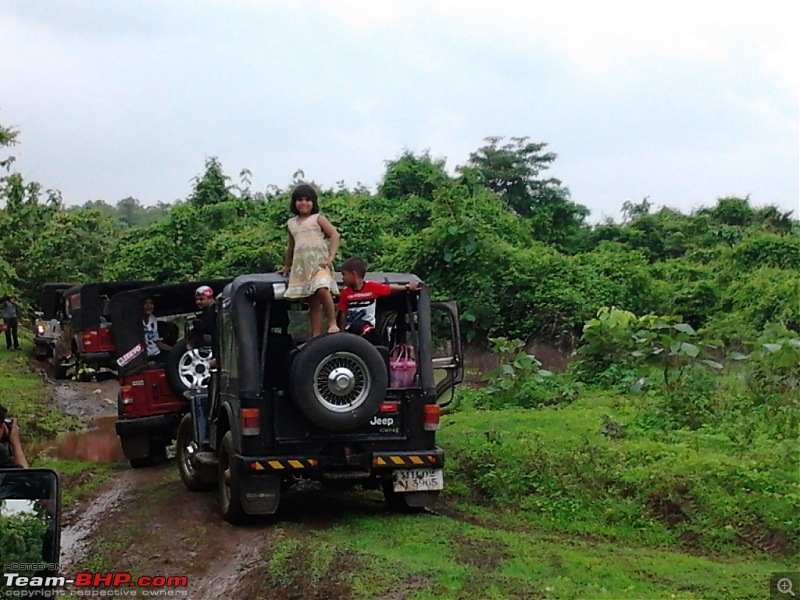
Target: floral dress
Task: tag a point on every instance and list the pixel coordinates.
(310, 249)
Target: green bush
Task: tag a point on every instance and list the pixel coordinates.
(752, 300)
(21, 536)
(767, 250)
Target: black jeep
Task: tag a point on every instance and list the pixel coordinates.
(151, 399)
(85, 344)
(276, 414)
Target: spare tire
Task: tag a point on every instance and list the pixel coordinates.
(188, 368)
(338, 381)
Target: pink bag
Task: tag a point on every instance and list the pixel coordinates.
(402, 366)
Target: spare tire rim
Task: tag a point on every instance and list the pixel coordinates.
(194, 368)
(341, 382)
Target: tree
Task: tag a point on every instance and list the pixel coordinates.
(512, 170)
(24, 216)
(212, 186)
(631, 211)
(72, 245)
(8, 137)
(731, 211)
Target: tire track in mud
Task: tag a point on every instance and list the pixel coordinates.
(145, 522)
(81, 522)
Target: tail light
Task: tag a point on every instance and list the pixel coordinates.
(430, 419)
(389, 407)
(126, 393)
(88, 337)
(250, 421)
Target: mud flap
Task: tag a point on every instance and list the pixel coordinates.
(421, 499)
(197, 404)
(260, 494)
(136, 447)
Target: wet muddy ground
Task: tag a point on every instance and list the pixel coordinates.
(144, 521)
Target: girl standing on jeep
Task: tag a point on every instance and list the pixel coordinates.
(309, 258)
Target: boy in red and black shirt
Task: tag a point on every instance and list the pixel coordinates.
(359, 298)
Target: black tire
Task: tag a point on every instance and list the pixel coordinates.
(338, 381)
(195, 477)
(188, 369)
(59, 370)
(229, 489)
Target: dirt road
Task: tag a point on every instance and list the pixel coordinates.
(145, 522)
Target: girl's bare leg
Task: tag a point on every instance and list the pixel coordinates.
(315, 314)
(326, 302)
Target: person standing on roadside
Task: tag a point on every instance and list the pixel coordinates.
(11, 321)
(207, 324)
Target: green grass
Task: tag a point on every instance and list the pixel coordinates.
(77, 477)
(689, 491)
(28, 398)
(540, 504)
(425, 557)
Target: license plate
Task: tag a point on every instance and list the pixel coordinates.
(418, 480)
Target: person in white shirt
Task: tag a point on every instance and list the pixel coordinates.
(157, 349)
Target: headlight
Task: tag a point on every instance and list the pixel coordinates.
(40, 329)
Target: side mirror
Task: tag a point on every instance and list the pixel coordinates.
(30, 521)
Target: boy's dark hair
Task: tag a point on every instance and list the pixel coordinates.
(3, 412)
(354, 265)
(304, 191)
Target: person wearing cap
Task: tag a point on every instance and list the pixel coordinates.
(207, 325)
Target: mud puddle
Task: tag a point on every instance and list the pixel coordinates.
(98, 444)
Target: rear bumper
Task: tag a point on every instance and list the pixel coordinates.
(97, 359)
(152, 426)
(376, 464)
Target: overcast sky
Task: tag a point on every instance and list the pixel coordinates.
(681, 102)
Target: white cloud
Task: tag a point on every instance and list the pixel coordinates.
(118, 99)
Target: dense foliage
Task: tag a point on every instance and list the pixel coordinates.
(21, 536)
(500, 236)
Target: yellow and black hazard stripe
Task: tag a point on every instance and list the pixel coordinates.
(406, 460)
(284, 464)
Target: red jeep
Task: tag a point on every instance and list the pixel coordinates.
(151, 399)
